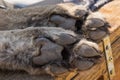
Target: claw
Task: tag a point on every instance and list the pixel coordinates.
(57, 69)
(65, 39)
(86, 49)
(57, 19)
(82, 64)
(66, 23)
(94, 21)
(97, 35)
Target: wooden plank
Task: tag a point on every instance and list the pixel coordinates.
(105, 76)
(109, 57)
(113, 37)
(71, 75)
(117, 67)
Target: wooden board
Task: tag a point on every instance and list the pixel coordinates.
(117, 67)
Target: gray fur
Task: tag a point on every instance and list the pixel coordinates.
(18, 47)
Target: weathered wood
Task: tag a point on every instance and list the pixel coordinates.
(117, 69)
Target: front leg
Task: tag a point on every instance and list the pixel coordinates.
(37, 16)
(32, 49)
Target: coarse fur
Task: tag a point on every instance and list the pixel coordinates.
(36, 16)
